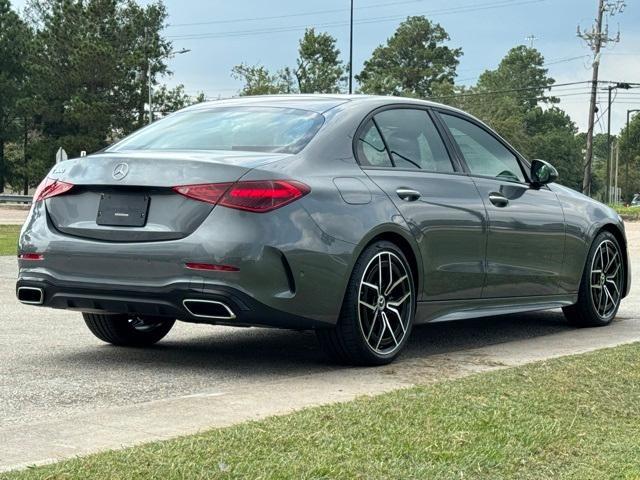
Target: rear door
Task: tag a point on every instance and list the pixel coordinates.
(401, 150)
(525, 246)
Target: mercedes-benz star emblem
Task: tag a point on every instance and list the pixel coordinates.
(120, 171)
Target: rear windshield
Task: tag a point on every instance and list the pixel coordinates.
(254, 129)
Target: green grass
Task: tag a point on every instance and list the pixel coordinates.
(9, 239)
(627, 213)
(576, 417)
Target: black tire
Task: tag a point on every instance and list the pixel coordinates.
(125, 331)
(585, 313)
(346, 343)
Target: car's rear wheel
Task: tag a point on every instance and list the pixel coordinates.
(378, 309)
(601, 286)
(127, 330)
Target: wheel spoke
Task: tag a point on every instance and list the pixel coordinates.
(370, 307)
(397, 313)
(373, 324)
(601, 259)
(372, 286)
(606, 269)
(384, 327)
(379, 273)
(611, 276)
(393, 286)
(602, 297)
(615, 285)
(609, 297)
(385, 319)
(390, 274)
(397, 303)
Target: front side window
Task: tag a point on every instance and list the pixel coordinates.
(413, 140)
(484, 154)
(254, 129)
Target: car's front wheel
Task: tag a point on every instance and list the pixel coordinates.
(601, 286)
(127, 330)
(378, 309)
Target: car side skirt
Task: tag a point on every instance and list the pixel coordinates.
(443, 311)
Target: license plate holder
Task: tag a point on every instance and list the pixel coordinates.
(123, 209)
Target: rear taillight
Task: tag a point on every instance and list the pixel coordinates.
(207, 192)
(254, 196)
(50, 188)
(31, 256)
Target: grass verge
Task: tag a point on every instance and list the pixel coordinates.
(627, 213)
(575, 417)
(9, 239)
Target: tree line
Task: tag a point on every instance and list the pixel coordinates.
(75, 74)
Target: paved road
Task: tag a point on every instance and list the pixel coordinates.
(63, 392)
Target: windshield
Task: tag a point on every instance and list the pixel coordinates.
(256, 129)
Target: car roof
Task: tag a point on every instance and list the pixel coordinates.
(318, 103)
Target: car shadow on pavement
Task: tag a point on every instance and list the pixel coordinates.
(262, 352)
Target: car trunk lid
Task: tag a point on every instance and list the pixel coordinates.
(129, 196)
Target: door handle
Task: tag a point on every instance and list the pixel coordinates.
(498, 199)
(408, 194)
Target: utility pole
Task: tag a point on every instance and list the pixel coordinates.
(531, 38)
(351, 50)
(596, 38)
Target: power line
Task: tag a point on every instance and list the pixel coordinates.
(370, 20)
(510, 90)
(289, 15)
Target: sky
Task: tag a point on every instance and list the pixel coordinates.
(221, 34)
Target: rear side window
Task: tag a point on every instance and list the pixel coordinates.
(413, 140)
(254, 129)
(484, 154)
(371, 149)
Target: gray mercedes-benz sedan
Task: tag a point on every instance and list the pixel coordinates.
(355, 216)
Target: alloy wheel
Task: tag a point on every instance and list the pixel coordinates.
(385, 303)
(606, 279)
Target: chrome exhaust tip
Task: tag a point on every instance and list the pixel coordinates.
(208, 309)
(31, 295)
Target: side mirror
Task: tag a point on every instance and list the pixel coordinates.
(542, 173)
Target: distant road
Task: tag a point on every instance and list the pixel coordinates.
(10, 215)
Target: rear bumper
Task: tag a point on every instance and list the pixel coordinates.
(211, 304)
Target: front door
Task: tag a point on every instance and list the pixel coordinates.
(525, 245)
(403, 153)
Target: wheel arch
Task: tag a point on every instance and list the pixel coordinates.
(404, 241)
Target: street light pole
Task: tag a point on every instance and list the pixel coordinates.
(150, 84)
(150, 92)
(626, 173)
(610, 88)
(351, 50)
